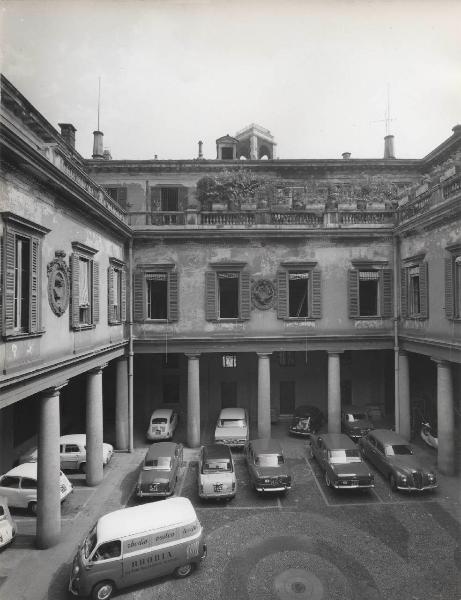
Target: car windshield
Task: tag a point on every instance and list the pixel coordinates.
(2, 511)
(356, 417)
(269, 460)
(214, 466)
(90, 543)
(303, 421)
(344, 456)
(232, 423)
(159, 421)
(398, 449)
(162, 462)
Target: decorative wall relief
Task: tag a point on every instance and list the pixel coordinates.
(263, 294)
(58, 283)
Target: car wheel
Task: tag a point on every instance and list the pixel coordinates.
(103, 590)
(32, 507)
(83, 468)
(393, 483)
(184, 571)
(327, 479)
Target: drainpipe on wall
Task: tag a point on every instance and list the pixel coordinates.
(396, 248)
(130, 352)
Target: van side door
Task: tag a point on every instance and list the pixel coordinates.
(106, 563)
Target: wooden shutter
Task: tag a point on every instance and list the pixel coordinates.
(316, 294)
(245, 295)
(34, 285)
(74, 312)
(403, 293)
(123, 299)
(449, 296)
(183, 194)
(386, 295)
(138, 296)
(423, 290)
(110, 294)
(95, 292)
(211, 305)
(10, 260)
(353, 293)
(282, 294)
(173, 296)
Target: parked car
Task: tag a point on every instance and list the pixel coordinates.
(393, 457)
(216, 472)
(340, 460)
(232, 427)
(306, 420)
(19, 486)
(160, 469)
(355, 422)
(162, 424)
(8, 527)
(267, 467)
(72, 449)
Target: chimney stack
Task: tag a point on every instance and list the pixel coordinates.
(346, 155)
(106, 154)
(68, 133)
(200, 149)
(389, 146)
(98, 151)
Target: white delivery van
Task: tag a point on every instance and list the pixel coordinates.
(132, 545)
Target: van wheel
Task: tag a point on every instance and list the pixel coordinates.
(83, 468)
(184, 571)
(32, 507)
(103, 590)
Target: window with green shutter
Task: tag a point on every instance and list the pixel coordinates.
(116, 292)
(299, 291)
(21, 276)
(227, 292)
(414, 301)
(156, 293)
(84, 313)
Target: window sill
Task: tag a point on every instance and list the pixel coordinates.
(22, 335)
(83, 327)
(415, 318)
(302, 319)
(156, 321)
(115, 322)
(371, 318)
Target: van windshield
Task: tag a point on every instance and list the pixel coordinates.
(232, 423)
(213, 466)
(90, 543)
(344, 456)
(162, 462)
(159, 421)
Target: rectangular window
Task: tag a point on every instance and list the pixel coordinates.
(229, 361)
(414, 304)
(368, 293)
(414, 289)
(22, 284)
(169, 199)
(85, 287)
(227, 153)
(119, 195)
(116, 292)
(298, 294)
(157, 295)
(286, 359)
(458, 287)
(228, 295)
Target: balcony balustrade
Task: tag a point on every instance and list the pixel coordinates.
(436, 195)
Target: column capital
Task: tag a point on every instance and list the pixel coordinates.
(193, 355)
(335, 352)
(264, 354)
(55, 390)
(440, 362)
(98, 369)
(123, 358)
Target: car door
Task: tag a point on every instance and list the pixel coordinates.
(70, 456)
(368, 444)
(9, 488)
(28, 490)
(250, 461)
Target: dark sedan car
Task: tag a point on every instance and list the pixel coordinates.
(159, 473)
(393, 457)
(267, 467)
(355, 422)
(306, 420)
(340, 460)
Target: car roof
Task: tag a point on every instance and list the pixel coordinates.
(24, 470)
(232, 413)
(337, 441)
(76, 438)
(306, 409)
(266, 446)
(387, 436)
(353, 409)
(162, 412)
(216, 451)
(161, 449)
(138, 520)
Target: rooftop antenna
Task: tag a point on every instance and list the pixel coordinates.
(99, 97)
(387, 113)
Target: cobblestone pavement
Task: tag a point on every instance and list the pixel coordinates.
(312, 543)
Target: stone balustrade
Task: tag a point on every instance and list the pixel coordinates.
(445, 190)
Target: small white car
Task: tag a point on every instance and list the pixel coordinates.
(19, 486)
(232, 427)
(8, 527)
(216, 473)
(162, 424)
(72, 449)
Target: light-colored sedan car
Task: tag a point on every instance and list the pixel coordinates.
(162, 424)
(72, 449)
(216, 473)
(19, 486)
(8, 527)
(232, 427)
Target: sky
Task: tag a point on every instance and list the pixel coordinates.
(316, 73)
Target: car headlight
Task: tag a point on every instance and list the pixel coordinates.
(75, 570)
(431, 476)
(403, 478)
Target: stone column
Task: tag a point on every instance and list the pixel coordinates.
(445, 419)
(403, 409)
(193, 400)
(48, 471)
(334, 393)
(121, 404)
(264, 395)
(253, 147)
(94, 466)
